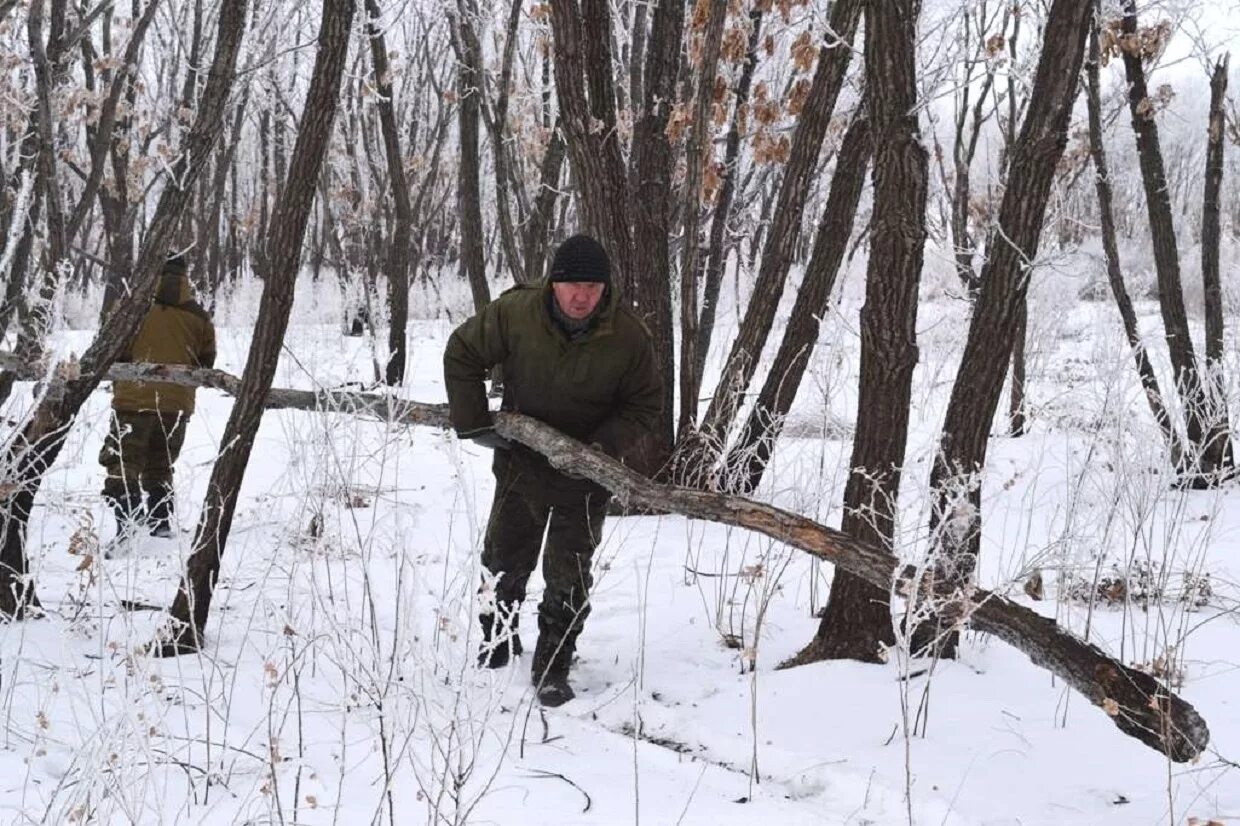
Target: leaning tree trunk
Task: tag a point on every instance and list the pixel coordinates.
(469, 186)
(856, 624)
(398, 247)
(1138, 704)
(34, 450)
(288, 228)
(1110, 250)
(1211, 234)
(1212, 449)
(757, 439)
(833, 59)
(955, 519)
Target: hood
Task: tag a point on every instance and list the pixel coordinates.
(173, 289)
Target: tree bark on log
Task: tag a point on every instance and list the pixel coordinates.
(1138, 704)
(188, 615)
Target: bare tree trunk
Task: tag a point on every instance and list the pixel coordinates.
(35, 449)
(583, 85)
(497, 125)
(834, 57)
(398, 249)
(1211, 238)
(469, 188)
(1110, 248)
(700, 152)
(190, 609)
(718, 254)
(766, 419)
(856, 624)
(542, 214)
(1211, 460)
(1012, 248)
(649, 183)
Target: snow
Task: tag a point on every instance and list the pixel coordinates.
(339, 686)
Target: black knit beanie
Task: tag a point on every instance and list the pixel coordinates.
(581, 258)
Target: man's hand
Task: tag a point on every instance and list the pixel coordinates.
(487, 437)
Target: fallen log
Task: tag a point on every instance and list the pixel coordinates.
(1138, 704)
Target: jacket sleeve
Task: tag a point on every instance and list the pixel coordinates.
(639, 402)
(473, 349)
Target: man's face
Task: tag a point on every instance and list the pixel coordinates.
(578, 299)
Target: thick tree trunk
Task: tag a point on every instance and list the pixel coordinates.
(33, 452)
(766, 419)
(398, 248)
(1212, 449)
(1110, 249)
(833, 59)
(956, 515)
(583, 84)
(1211, 236)
(717, 255)
(856, 624)
(649, 184)
(700, 152)
(190, 609)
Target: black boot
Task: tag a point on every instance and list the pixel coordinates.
(552, 659)
(161, 503)
(500, 641)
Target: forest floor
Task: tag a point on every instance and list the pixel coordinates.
(338, 684)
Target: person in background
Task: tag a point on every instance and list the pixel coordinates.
(149, 419)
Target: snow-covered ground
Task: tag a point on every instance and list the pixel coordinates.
(338, 685)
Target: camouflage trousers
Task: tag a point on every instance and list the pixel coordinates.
(139, 453)
(522, 514)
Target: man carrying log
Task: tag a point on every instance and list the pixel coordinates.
(149, 418)
(575, 357)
